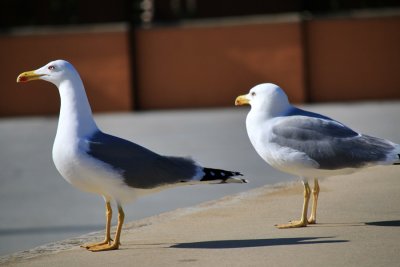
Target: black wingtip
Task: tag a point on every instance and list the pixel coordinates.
(225, 176)
(397, 163)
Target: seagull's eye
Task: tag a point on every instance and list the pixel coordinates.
(51, 67)
(253, 93)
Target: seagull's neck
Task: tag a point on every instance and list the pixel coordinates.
(270, 110)
(76, 119)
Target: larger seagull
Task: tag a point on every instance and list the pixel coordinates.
(100, 163)
(308, 144)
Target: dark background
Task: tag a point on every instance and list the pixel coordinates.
(70, 12)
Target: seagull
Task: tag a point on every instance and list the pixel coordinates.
(307, 144)
(112, 167)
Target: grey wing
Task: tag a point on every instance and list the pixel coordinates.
(331, 144)
(140, 167)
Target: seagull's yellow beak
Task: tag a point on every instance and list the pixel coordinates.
(241, 100)
(28, 76)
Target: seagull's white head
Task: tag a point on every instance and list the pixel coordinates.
(265, 97)
(54, 72)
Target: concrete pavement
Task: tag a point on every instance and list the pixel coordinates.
(358, 225)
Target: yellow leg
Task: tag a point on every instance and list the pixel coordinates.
(116, 243)
(313, 217)
(303, 220)
(107, 238)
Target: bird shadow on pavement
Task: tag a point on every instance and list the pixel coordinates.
(339, 224)
(394, 223)
(251, 243)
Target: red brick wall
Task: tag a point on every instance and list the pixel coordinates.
(101, 59)
(354, 59)
(210, 66)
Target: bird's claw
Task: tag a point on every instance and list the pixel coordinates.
(292, 224)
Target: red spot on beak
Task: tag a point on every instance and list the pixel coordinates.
(22, 79)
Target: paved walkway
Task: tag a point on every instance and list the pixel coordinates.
(358, 225)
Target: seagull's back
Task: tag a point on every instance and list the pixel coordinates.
(139, 167)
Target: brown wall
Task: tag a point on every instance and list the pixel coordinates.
(354, 59)
(101, 59)
(210, 66)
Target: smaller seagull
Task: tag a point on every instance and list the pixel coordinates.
(112, 167)
(308, 144)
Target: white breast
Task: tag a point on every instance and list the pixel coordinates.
(87, 173)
